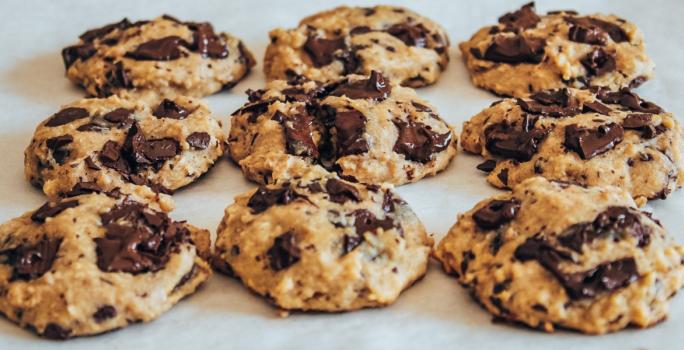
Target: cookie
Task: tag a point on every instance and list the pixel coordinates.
(589, 137)
(323, 244)
(97, 262)
(527, 52)
(113, 142)
(164, 55)
(551, 254)
(405, 46)
(364, 127)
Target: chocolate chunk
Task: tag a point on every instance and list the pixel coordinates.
(350, 243)
(157, 151)
(627, 98)
(191, 274)
(90, 164)
(594, 31)
(589, 143)
(83, 187)
(66, 116)
(134, 148)
(110, 156)
(516, 49)
(341, 192)
(598, 62)
(29, 262)
(321, 50)
(98, 33)
(115, 78)
(418, 142)
(55, 331)
(198, 140)
(605, 277)
(294, 94)
(137, 239)
(120, 116)
(389, 202)
(503, 176)
(506, 141)
(521, 19)
(104, 313)
(71, 54)
(360, 30)
(206, 42)
(284, 252)
(365, 221)
(265, 198)
(644, 124)
(614, 222)
(350, 127)
(164, 49)
(376, 87)
(496, 213)
(487, 166)
(170, 109)
(48, 210)
(596, 107)
(299, 134)
(552, 103)
(411, 34)
(58, 147)
(254, 109)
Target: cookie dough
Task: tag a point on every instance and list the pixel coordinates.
(164, 55)
(590, 137)
(551, 254)
(405, 46)
(323, 244)
(111, 142)
(365, 127)
(97, 262)
(526, 53)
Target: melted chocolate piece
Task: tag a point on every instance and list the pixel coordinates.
(605, 277)
(418, 142)
(376, 87)
(341, 192)
(644, 124)
(411, 34)
(506, 141)
(137, 152)
(298, 134)
(628, 99)
(66, 116)
(615, 222)
(119, 116)
(594, 31)
(589, 143)
(284, 252)
(170, 109)
(83, 188)
(350, 127)
(164, 49)
(254, 109)
(55, 331)
(71, 54)
(206, 42)
(521, 19)
(598, 62)
(350, 243)
(115, 78)
(47, 210)
(321, 50)
(104, 313)
(496, 213)
(265, 198)
(365, 221)
(58, 147)
(158, 151)
(98, 33)
(516, 49)
(111, 157)
(198, 140)
(552, 103)
(597, 107)
(29, 262)
(487, 166)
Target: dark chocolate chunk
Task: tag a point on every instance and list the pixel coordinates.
(614, 222)
(496, 213)
(598, 62)
(376, 87)
(58, 147)
(48, 210)
(341, 192)
(360, 30)
(322, 50)
(628, 99)
(524, 18)
(104, 313)
(90, 164)
(157, 151)
(71, 54)
(116, 77)
(553, 103)
(198, 140)
(350, 127)
(66, 116)
(206, 42)
(594, 31)
(32, 261)
(190, 275)
(411, 34)
(589, 143)
(418, 142)
(98, 33)
(170, 109)
(284, 252)
(299, 134)
(55, 331)
(516, 49)
(506, 141)
(119, 116)
(365, 221)
(350, 243)
(83, 187)
(503, 176)
(164, 49)
(111, 157)
(254, 109)
(596, 107)
(265, 198)
(487, 166)
(644, 124)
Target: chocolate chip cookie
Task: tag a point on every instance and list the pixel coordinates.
(405, 46)
(589, 137)
(111, 142)
(97, 262)
(552, 254)
(365, 127)
(527, 52)
(323, 244)
(163, 55)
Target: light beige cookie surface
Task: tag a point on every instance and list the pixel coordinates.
(323, 244)
(405, 46)
(556, 255)
(113, 142)
(94, 263)
(366, 127)
(590, 137)
(527, 52)
(164, 55)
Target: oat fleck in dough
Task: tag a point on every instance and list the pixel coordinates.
(590, 137)
(165, 56)
(406, 47)
(551, 254)
(113, 143)
(323, 244)
(94, 263)
(527, 52)
(365, 127)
